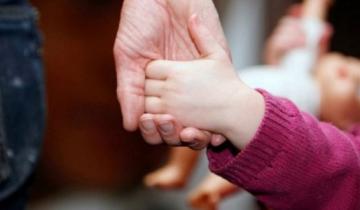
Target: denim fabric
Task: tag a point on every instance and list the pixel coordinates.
(10, 2)
(21, 102)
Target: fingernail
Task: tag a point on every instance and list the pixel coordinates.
(148, 125)
(166, 128)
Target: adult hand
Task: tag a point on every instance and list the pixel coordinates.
(173, 87)
(155, 29)
(157, 128)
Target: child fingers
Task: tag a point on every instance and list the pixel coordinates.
(217, 140)
(158, 70)
(148, 130)
(153, 87)
(169, 129)
(194, 138)
(154, 105)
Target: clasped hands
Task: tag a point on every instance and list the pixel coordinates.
(189, 77)
(194, 93)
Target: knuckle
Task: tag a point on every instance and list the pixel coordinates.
(154, 64)
(152, 140)
(151, 66)
(172, 141)
(152, 106)
(197, 146)
(120, 93)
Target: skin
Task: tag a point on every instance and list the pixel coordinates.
(289, 33)
(179, 88)
(164, 37)
(339, 80)
(151, 30)
(176, 172)
(210, 192)
(174, 125)
(283, 43)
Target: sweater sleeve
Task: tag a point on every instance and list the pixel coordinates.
(294, 161)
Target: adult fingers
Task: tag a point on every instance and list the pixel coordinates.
(217, 140)
(169, 129)
(130, 95)
(148, 129)
(194, 138)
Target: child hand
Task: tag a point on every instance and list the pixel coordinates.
(194, 92)
(204, 93)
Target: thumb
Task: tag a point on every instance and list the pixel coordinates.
(204, 40)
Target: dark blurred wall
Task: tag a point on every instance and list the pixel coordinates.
(345, 17)
(85, 143)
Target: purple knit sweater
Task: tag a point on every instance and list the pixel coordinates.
(295, 162)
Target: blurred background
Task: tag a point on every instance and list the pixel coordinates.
(89, 161)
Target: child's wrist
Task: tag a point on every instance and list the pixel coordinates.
(244, 117)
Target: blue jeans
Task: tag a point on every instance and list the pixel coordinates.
(21, 101)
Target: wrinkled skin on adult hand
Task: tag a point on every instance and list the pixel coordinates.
(150, 30)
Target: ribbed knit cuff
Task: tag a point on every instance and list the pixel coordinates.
(272, 134)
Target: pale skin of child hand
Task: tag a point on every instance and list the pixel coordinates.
(206, 93)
